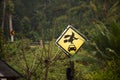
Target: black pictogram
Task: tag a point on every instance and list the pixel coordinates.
(71, 48)
(71, 38)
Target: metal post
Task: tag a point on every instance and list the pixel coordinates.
(11, 27)
(70, 71)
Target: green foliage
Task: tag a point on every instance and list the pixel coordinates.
(107, 38)
(45, 20)
(1, 43)
(30, 61)
(10, 7)
(35, 36)
(12, 49)
(109, 72)
(60, 21)
(85, 63)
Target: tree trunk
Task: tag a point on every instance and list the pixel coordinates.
(3, 17)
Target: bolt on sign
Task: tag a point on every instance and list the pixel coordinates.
(70, 40)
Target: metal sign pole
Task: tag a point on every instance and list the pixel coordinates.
(70, 71)
(70, 42)
(11, 28)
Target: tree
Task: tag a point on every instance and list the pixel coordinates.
(3, 5)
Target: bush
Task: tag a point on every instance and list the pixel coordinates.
(110, 72)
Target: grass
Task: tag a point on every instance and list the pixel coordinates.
(32, 62)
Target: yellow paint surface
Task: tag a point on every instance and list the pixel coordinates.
(77, 43)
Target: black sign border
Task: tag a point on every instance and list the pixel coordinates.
(68, 27)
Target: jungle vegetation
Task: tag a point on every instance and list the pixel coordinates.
(43, 21)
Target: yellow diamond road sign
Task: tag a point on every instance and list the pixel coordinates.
(70, 40)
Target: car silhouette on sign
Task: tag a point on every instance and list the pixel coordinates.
(71, 48)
